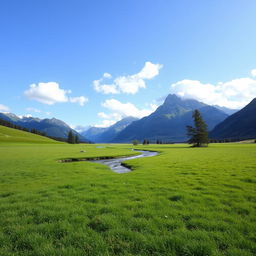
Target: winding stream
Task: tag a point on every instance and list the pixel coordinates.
(116, 165)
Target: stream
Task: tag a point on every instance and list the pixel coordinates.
(115, 164)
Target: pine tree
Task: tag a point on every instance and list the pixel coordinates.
(76, 139)
(198, 134)
(145, 142)
(71, 138)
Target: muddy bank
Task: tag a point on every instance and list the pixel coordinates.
(115, 164)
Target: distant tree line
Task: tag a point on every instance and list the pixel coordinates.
(147, 142)
(230, 140)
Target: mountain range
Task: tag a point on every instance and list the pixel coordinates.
(105, 135)
(51, 127)
(240, 125)
(168, 123)
(228, 111)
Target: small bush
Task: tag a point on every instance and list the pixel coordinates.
(135, 142)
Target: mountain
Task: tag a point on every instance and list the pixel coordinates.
(241, 125)
(228, 111)
(52, 127)
(169, 121)
(93, 133)
(105, 135)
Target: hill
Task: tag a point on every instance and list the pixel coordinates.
(241, 125)
(51, 127)
(169, 121)
(13, 135)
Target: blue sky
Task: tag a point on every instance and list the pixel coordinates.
(94, 62)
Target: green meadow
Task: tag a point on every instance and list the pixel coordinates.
(185, 201)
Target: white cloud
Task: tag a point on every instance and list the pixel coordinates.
(104, 88)
(129, 84)
(253, 72)
(4, 108)
(26, 116)
(51, 93)
(105, 123)
(47, 93)
(33, 110)
(79, 128)
(80, 100)
(109, 119)
(107, 75)
(127, 109)
(232, 94)
(121, 110)
(115, 116)
(149, 70)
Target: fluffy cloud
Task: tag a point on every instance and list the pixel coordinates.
(115, 116)
(253, 72)
(121, 110)
(50, 93)
(105, 123)
(107, 75)
(4, 108)
(79, 128)
(232, 94)
(80, 100)
(127, 84)
(109, 119)
(104, 88)
(27, 116)
(34, 110)
(127, 109)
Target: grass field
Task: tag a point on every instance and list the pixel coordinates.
(185, 201)
(13, 135)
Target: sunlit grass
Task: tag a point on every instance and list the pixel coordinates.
(11, 135)
(185, 201)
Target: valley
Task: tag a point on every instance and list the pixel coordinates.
(184, 201)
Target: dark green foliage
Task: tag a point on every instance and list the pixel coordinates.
(198, 134)
(135, 142)
(71, 138)
(145, 142)
(76, 139)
